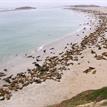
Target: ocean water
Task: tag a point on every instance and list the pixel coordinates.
(23, 31)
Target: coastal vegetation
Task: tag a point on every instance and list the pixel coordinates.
(86, 97)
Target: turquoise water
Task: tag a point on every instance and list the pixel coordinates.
(22, 31)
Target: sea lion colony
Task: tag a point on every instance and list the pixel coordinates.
(53, 67)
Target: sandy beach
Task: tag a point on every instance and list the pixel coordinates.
(61, 69)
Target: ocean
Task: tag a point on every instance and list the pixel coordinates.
(26, 30)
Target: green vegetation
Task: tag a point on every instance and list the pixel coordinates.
(85, 97)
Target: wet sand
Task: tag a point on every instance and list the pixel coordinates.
(59, 70)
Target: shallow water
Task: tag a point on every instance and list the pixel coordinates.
(22, 31)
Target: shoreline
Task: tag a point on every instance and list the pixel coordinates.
(40, 49)
(56, 77)
(20, 52)
(24, 58)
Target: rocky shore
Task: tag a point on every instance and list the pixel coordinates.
(53, 67)
(96, 44)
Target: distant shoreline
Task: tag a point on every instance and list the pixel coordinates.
(19, 9)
